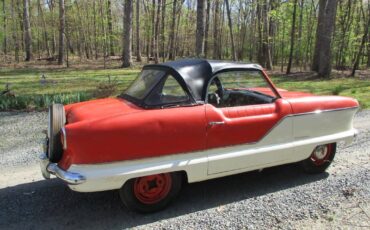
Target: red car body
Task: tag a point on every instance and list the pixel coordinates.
(207, 133)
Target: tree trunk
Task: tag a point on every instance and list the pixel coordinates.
(127, 31)
(138, 46)
(27, 30)
(156, 33)
(110, 27)
(199, 42)
(5, 43)
(171, 55)
(208, 12)
(53, 40)
(95, 31)
(46, 39)
(298, 54)
(152, 39)
(62, 21)
(267, 62)
(325, 26)
(363, 41)
(216, 26)
(15, 34)
(233, 54)
(292, 38)
(163, 26)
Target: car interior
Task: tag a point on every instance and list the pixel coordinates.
(219, 96)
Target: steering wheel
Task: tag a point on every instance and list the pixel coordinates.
(220, 88)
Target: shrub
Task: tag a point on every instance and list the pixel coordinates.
(29, 102)
(337, 90)
(106, 89)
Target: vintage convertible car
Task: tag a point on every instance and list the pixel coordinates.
(188, 121)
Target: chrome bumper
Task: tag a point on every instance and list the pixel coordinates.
(48, 168)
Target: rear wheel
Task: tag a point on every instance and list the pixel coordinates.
(151, 193)
(320, 159)
(57, 119)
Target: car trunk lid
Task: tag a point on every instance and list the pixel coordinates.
(97, 109)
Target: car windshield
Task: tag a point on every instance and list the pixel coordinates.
(144, 83)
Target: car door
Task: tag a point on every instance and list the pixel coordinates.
(243, 131)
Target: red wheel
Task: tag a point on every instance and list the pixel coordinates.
(321, 154)
(320, 159)
(152, 189)
(151, 193)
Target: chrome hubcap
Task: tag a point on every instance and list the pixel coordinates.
(320, 152)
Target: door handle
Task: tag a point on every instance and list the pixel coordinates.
(212, 123)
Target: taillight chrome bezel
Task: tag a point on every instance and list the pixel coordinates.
(63, 137)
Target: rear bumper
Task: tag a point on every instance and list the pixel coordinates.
(48, 168)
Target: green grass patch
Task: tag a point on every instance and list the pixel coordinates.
(66, 86)
(33, 91)
(351, 87)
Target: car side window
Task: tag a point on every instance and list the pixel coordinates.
(169, 92)
(239, 88)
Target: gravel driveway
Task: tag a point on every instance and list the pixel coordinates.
(279, 197)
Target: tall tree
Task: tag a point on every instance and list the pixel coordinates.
(208, 13)
(45, 32)
(127, 34)
(233, 54)
(15, 33)
(27, 30)
(5, 43)
(292, 37)
(138, 45)
(216, 30)
(171, 52)
(199, 42)
(62, 21)
(156, 33)
(363, 40)
(163, 26)
(322, 57)
(110, 27)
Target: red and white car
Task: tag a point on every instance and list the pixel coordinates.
(191, 120)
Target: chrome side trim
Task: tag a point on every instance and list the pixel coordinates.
(321, 111)
(69, 177)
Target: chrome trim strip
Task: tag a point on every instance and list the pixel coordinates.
(63, 130)
(69, 177)
(321, 111)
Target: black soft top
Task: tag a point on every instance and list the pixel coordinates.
(196, 73)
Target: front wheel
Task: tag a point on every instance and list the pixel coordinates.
(151, 193)
(320, 159)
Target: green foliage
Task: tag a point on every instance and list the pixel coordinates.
(337, 90)
(31, 102)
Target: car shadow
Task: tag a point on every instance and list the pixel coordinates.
(52, 205)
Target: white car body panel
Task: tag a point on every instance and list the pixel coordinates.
(291, 140)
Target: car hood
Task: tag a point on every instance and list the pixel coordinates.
(98, 109)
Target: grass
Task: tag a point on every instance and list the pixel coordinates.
(59, 85)
(351, 87)
(73, 85)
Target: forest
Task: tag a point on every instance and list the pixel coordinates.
(281, 34)
(67, 51)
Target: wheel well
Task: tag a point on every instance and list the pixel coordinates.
(184, 176)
